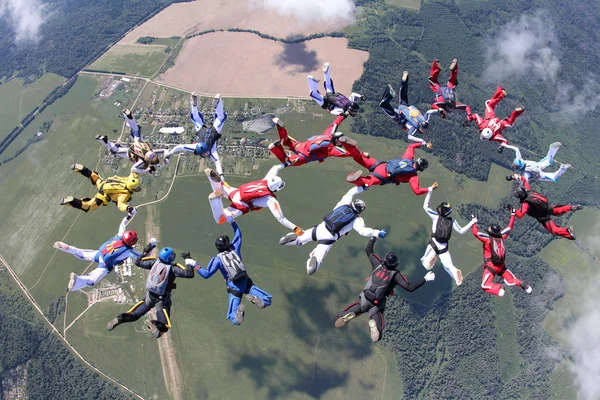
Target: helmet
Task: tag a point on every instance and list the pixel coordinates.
(201, 149)
(495, 231)
(130, 238)
(390, 261)
(518, 164)
(486, 134)
(521, 193)
(223, 243)
(150, 156)
(133, 183)
(421, 164)
(353, 109)
(358, 205)
(166, 255)
(423, 126)
(275, 183)
(444, 209)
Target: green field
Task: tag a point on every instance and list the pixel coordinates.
(16, 100)
(412, 4)
(133, 59)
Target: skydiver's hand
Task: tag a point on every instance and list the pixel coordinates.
(153, 242)
(131, 210)
(363, 97)
(190, 262)
(186, 255)
(430, 276)
(149, 247)
(429, 145)
(167, 159)
(513, 211)
(434, 186)
(473, 218)
(151, 169)
(298, 231)
(382, 233)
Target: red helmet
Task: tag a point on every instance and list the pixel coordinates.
(130, 238)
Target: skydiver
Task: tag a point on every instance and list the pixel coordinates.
(315, 148)
(407, 116)
(536, 205)
(160, 282)
(445, 96)
(339, 222)
(251, 196)
(206, 146)
(494, 253)
(229, 262)
(140, 153)
(441, 231)
(491, 127)
(113, 252)
(334, 102)
(396, 171)
(535, 170)
(379, 287)
(117, 189)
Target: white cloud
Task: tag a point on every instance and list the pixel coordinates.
(310, 11)
(582, 100)
(523, 48)
(25, 18)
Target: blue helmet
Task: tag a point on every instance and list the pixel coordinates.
(518, 164)
(201, 149)
(166, 255)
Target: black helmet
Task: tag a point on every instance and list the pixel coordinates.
(421, 164)
(444, 209)
(423, 126)
(223, 243)
(358, 205)
(353, 109)
(390, 261)
(521, 193)
(495, 230)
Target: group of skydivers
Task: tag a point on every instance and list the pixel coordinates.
(344, 217)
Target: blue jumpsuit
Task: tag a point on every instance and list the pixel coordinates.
(235, 288)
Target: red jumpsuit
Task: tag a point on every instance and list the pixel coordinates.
(491, 121)
(371, 180)
(542, 214)
(439, 91)
(316, 148)
(490, 270)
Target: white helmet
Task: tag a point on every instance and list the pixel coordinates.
(275, 184)
(486, 134)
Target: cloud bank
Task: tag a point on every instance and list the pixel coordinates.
(25, 17)
(523, 48)
(311, 11)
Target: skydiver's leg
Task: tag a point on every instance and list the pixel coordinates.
(88, 204)
(453, 80)
(261, 294)
(552, 176)
(219, 115)
(429, 257)
(337, 151)
(557, 230)
(180, 148)
(454, 272)
(488, 285)
(90, 279)
(510, 121)
(350, 312)
(491, 104)
(82, 254)
(302, 239)
(140, 309)
(511, 280)
(286, 140)
(404, 89)
(216, 205)
(315, 259)
(197, 118)
(549, 159)
(313, 87)
(234, 303)
(359, 157)
(376, 323)
(560, 210)
(436, 67)
(327, 81)
(134, 128)
(163, 316)
(385, 103)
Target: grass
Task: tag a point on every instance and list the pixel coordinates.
(412, 4)
(132, 59)
(16, 100)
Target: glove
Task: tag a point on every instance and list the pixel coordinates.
(513, 211)
(509, 177)
(190, 262)
(298, 231)
(434, 186)
(382, 233)
(186, 255)
(429, 276)
(429, 145)
(131, 210)
(167, 160)
(363, 97)
(474, 218)
(149, 247)
(443, 114)
(151, 169)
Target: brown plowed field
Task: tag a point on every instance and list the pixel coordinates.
(182, 19)
(243, 64)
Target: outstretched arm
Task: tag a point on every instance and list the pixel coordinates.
(213, 266)
(463, 230)
(123, 202)
(179, 148)
(273, 171)
(373, 257)
(125, 221)
(482, 237)
(413, 138)
(516, 150)
(511, 224)
(275, 208)
(183, 272)
(416, 187)
(432, 214)
(406, 285)
(237, 238)
(522, 211)
(410, 150)
(359, 226)
(428, 113)
(347, 198)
